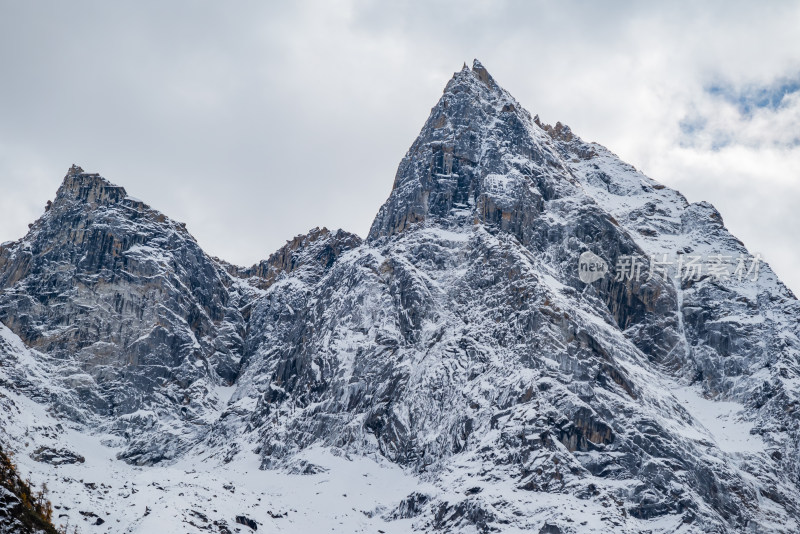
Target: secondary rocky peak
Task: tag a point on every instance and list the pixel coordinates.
(559, 132)
(88, 188)
(126, 296)
(313, 252)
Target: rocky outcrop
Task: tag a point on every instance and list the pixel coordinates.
(53, 456)
(136, 315)
(312, 253)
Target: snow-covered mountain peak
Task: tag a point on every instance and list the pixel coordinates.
(88, 188)
(312, 253)
(138, 317)
(471, 160)
(458, 342)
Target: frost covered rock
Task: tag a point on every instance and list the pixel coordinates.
(310, 254)
(458, 341)
(132, 312)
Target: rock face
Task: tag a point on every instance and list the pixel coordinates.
(310, 254)
(136, 317)
(461, 333)
(457, 341)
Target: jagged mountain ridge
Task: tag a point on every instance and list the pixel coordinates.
(137, 319)
(458, 341)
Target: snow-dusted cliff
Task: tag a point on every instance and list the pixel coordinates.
(452, 372)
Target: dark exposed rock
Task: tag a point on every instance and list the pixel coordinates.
(56, 456)
(246, 521)
(467, 512)
(411, 506)
(304, 467)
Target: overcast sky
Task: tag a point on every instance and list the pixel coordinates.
(254, 122)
